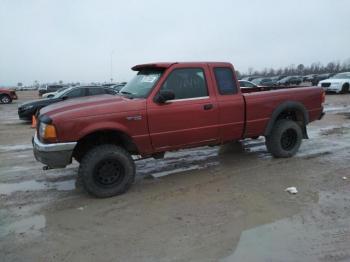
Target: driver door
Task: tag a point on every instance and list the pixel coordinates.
(190, 119)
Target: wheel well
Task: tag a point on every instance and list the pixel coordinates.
(292, 114)
(103, 137)
(292, 111)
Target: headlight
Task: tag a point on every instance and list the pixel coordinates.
(47, 131)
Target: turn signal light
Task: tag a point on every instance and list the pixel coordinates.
(50, 132)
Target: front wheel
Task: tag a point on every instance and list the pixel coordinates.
(345, 89)
(106, 171)
(285, 139)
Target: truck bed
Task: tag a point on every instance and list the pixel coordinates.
(261, 104)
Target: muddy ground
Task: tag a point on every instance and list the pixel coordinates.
(206, 204)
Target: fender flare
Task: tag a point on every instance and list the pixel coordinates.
(288, 106)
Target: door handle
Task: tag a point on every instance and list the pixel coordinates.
(208, 106)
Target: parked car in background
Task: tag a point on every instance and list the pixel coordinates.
(109, 84)
(263, 81)
(249, 78)
(50, 89)
(249, 87)
(7, 95)
(166, 107)
(118, 87)
(339, 83)
(52, 94)
(290, 80)
(312, 78)
(247, 84)
(274, 79)
(28, 109)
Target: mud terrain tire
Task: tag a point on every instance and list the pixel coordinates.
(284, 139)
(106, 171)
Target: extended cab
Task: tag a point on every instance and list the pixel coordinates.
(169, 106)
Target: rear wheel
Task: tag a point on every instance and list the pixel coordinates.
(345, 88)
(5, 99)
(285, 139)
(106, 171)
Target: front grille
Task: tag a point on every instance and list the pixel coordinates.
(326, 84)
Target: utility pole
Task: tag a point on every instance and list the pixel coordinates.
(112, 52)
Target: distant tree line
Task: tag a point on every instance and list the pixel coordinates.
(301, 69)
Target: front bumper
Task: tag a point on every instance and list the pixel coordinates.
(54, 155)
(26, 114)
(333, 88)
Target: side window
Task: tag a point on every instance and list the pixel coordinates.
(186, 83)
(96, 91)
(75, 93)
(225, 80)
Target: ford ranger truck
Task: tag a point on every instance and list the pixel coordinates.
(168, 106)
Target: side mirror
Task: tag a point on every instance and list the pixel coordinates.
(163, 96)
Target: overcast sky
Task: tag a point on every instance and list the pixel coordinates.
(73, 40)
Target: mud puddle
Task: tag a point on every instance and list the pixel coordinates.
(30, 225)
(33, 185)
(320, 234)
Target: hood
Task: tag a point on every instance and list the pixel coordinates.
(335, 80)
(41, 102)
(92, 106)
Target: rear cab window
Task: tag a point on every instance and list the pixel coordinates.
(225, 81)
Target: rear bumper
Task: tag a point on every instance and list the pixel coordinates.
(55, 155)
(322, 113)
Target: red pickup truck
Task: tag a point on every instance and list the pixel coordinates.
(168, 106)
(6, 96)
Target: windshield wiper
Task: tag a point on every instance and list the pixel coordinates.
(128, 94)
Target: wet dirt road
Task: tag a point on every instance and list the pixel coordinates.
(209, 204)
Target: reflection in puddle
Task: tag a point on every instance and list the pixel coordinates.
(184, 169)
(320, 234)
(30, 225)
(33, 185)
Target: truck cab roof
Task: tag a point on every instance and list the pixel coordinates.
(165, 65)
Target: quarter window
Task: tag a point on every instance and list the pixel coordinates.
(186, 83)
(225, 81)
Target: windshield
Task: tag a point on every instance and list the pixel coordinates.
(141, 85)
(342, 75)
(62, 91)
